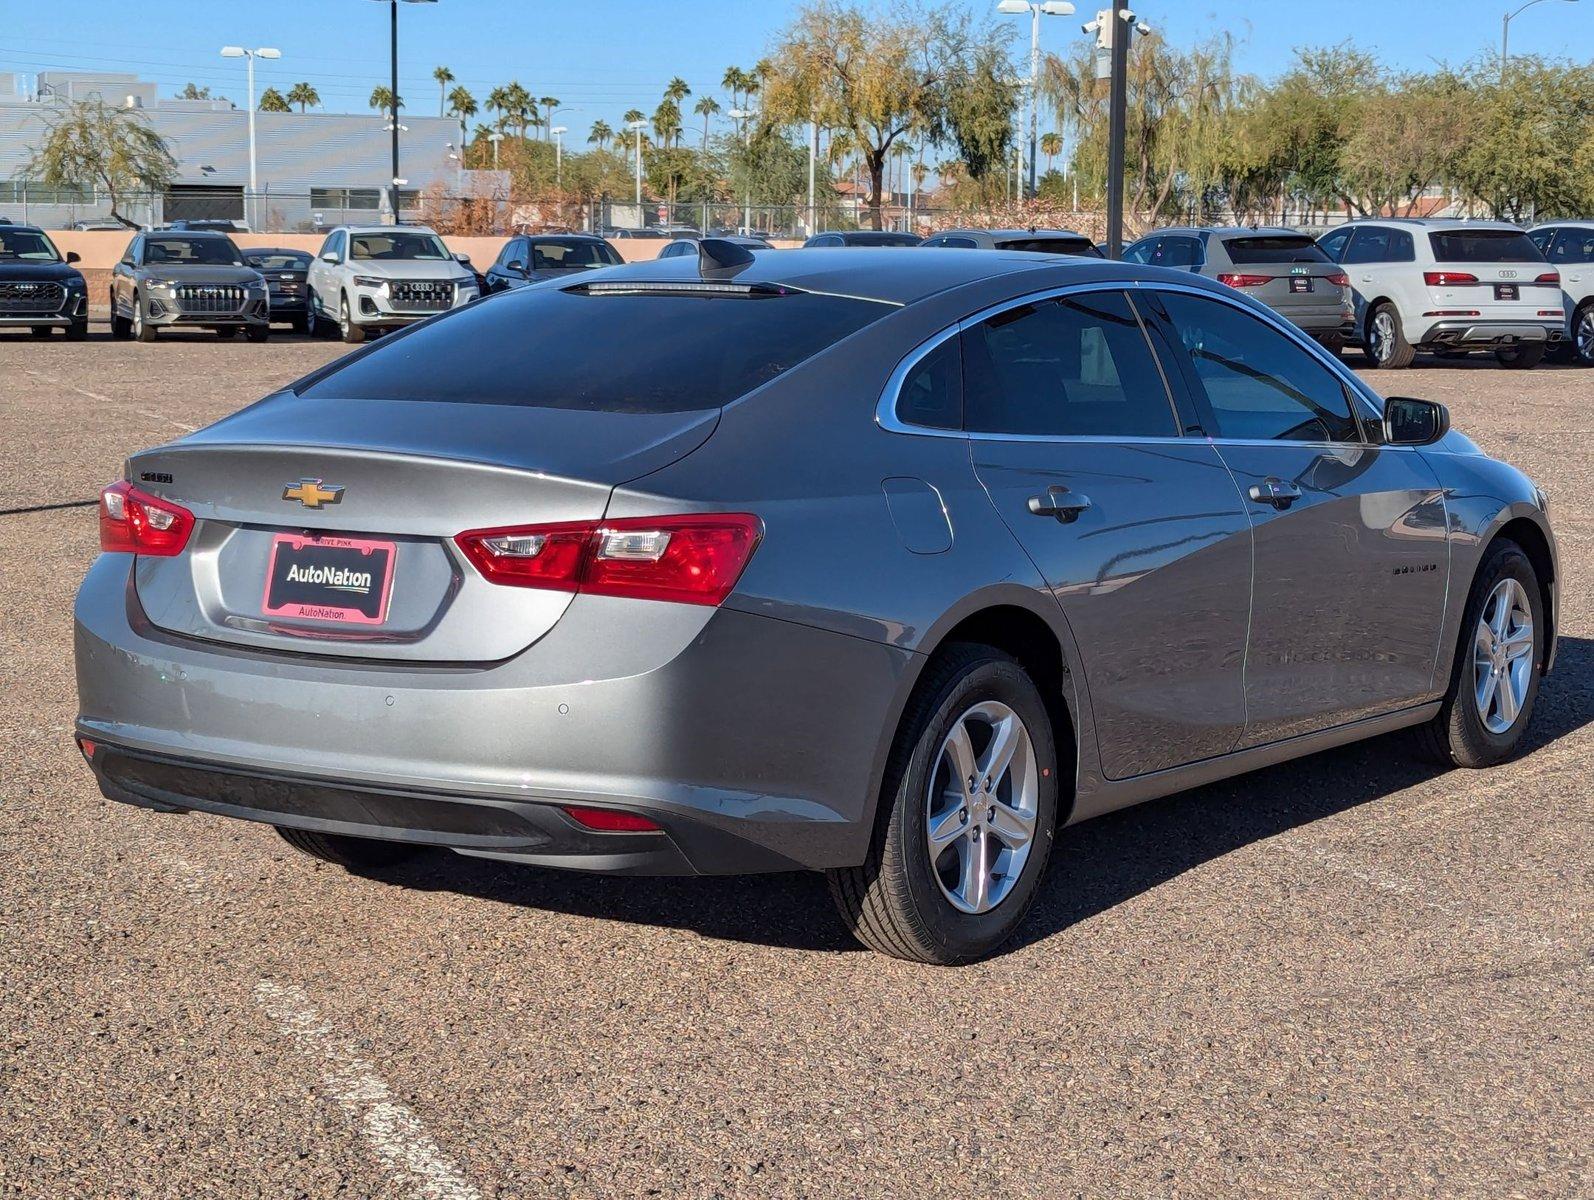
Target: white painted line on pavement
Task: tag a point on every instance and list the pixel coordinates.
(143, 412)
(392, 1129)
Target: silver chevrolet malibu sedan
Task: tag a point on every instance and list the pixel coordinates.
(887, 565)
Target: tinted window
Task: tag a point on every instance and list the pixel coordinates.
(1051, 246)
(1333, 244)
(1573, 246)
(1141, 251)
(209, 251)
(1369, 246)
(278, 260)
(932, 392)
(1078, 366)
(612, 352)
(955, 243)
(396, 246)
(1541, 239)
(1178, 252)
(1274, 248)
(1483, 246)
(1259, 384)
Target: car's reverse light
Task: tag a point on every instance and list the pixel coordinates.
(1338, 279)
(134, 522)
(1244, 281)
(1552, 312)
(1550, 279)
(1448, 278)
(689, 559)
(608, 820)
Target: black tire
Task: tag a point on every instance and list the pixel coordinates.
(121, 327)
(1581, 351)
(351, 333)
(1458, 737)
(41, 331)
(1523, 357)
(226, 331)
(893, 903)
(142, 329)
(315, 324)
(1332, 342)
(78, 331)
(299, 324)
(258, 333)
(355, 854)
(1391, 351)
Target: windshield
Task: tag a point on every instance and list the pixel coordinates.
(607, 352)
(207, 251)
(1484, 246)
(398, 246)
(556, 254)
(1274, 248)
(279, 260)
(25, 245)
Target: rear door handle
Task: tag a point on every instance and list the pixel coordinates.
(1275, 492)
(1059, 502)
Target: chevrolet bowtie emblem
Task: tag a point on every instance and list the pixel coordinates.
(312, 494)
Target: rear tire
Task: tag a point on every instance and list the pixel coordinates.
(1386, 343)
(78, 331)
(121, 327)
(1521, 358)
(1461, 735)
(352, 853)
(962, 899)
(352, 334)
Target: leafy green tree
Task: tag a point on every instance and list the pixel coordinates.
(271, 100)
(304, 95)
(89, 144)
(192, 91)
(1519, 157)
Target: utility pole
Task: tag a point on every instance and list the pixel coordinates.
(813, 155)
(1114, 28)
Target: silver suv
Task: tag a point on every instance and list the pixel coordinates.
(187, 279)
(380, 277)
(1452, 287)
(1569, 246)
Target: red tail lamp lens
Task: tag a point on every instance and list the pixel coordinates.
(608, 820)
(134, 522)
(1552, 278)
(1338, 279)
(88, 748)
(689, 559)
(1448, 278)
(1244, 281)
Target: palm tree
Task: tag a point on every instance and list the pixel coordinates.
(498, 102)
(632, 116)
(444, 77)
(1051, 147)
(666, 121)
(549, 103)
(706, 108)
(677, 90)
(271, 100)
(303, 95)
(735, 81)
(522, 109)
(463, 105)
(383, 100)
(601, 134)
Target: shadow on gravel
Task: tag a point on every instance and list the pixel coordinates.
(1095, 866)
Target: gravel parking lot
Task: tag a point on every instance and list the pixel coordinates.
(1351, 975)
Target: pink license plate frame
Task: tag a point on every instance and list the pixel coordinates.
(339, 614)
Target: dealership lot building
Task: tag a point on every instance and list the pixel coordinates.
(313, 169)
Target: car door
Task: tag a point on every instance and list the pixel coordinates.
(1350, 551)
(323, 274)
(1371, 261)
(1138, 530)
(122, 275)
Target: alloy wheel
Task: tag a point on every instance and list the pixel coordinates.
(983, 807)
(1502, 657)
(1383, 336)
(1584, 335)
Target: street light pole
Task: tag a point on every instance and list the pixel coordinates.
(393, 63)
(1505, 32)
(1114, 27)
(558, 132)
(249, 57)
(636, 127)
(1036, 9)
(742, 116)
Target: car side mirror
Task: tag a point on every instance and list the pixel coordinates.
(462, 258)
(515, 265)
(1409, 422)
(73, 256)
(330, 257)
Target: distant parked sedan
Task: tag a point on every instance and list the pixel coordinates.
(682, 247)
(1037, 241)
(1284, 269)
(886, 565)
(286, 272)
(1569, 247)
(534, 257)
(861, 237)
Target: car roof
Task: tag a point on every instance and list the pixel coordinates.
(276, 250)
(884, 274)
(1436, 224)
(1012, 233)
(1233, 231)
(12, 227)
(1569, 223)
(193, 233)
(386, 229)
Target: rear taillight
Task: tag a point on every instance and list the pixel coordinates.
(1244, 281)
(689, 559)
(1448, 278)
(1550, 278)
(1338, 279)
(134, 522)
(609, 820)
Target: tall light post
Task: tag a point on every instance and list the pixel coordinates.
(1505, 32)
(637, 127)
(1114, 27)
(393, 44)
(559, 132)
(249, 57)
(495, 137)
(743, 116)
(1036, 10)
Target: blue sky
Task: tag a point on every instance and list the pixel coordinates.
(601, 57)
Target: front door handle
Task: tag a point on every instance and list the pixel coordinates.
(1275, 492)
(1059, 502)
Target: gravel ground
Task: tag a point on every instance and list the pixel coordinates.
(1351, 975)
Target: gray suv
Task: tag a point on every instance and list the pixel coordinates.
(187, 279)
(1282, 268)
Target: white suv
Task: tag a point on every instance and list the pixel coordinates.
(1449, 286)
(1569, 245)
(384, 276)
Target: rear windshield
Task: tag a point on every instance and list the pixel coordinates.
(1483, 246)
(1274, 248)
(1052, 246)
(278, 260)
(557, 348)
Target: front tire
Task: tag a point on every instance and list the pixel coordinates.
(142, 329)
(41, 331)
(352, 334)
(257, 333)
(969, 805)
(1498, 665)
(352, 853)
(1386, 342)
(78, 331)
(1521, 358)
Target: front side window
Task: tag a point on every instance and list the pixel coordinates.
(1541, 239)
(1141, 251)
(1333, 244)
(398, 246)
(1573, 246)
(1079, 366)
(1180, 253)
(1259, 385)
(1369, 245)
(26, 245)
(195, 251)
(953, 243)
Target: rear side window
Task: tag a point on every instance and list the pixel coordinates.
(932, 391)
(558, 348)
(1079, 366)
(1271, 248)
(1376, 245)
(1178, 252)
(1483, 246)
(1258, 383)
(955, 243)
(1573, 246)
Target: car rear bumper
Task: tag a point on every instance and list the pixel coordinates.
(1314, 318)
(1471, 332)
(755, 743)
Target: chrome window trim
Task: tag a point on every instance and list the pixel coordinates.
(886, 414)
